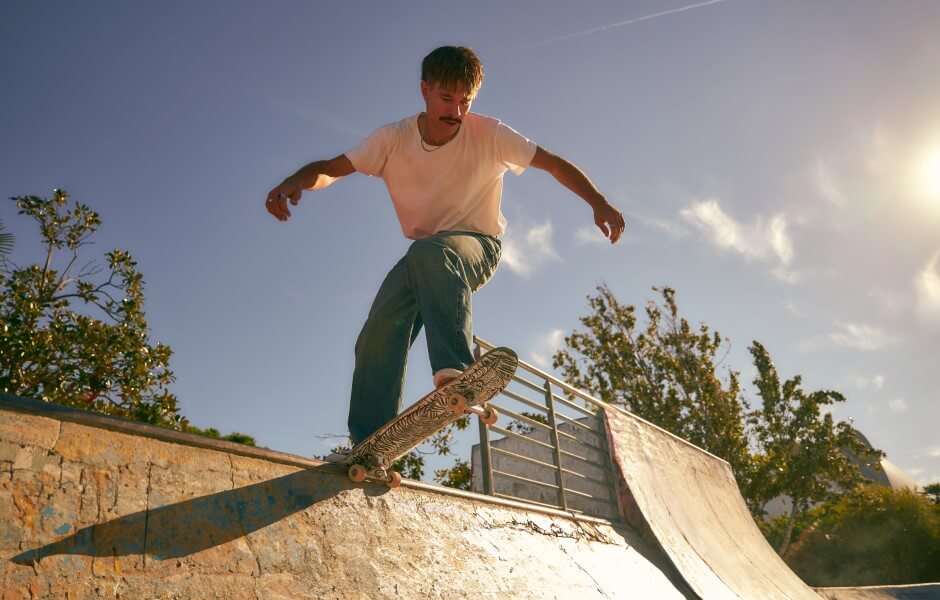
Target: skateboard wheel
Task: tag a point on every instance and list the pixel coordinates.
(457, 404)
(489, 416)
(394, 479)
(357, 473)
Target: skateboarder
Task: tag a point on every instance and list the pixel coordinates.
(443, 168)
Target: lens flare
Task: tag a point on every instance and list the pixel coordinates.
(929, 175)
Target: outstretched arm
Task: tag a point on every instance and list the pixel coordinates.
(607, 218)
(315, 176)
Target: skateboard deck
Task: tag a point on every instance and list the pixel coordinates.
(468, 393)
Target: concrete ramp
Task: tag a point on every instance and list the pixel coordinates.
(97, 507)
(686, 500)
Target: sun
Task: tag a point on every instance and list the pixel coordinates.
(929, 175)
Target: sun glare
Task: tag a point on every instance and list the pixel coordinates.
(929, 175)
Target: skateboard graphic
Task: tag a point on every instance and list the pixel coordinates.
(373, 457)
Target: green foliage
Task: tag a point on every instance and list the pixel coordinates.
(6, 241)
(55, 353)
(800, 451)
(411, 465)
(525, 428)
(664, 370)
(873, 536)
(785, 526)
(933, 491)
(457, 476)
(238, 438)
(659, 367)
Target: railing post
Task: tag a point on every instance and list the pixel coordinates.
(556, 444)
(486, 464)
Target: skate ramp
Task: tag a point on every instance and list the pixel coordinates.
(686, 501)
(97, 507)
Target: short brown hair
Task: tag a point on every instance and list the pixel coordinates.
(450, 65)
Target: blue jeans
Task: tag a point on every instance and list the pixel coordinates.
(430, 286)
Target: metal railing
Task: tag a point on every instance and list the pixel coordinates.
(548, 450)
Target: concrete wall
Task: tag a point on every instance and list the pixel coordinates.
(95, 507)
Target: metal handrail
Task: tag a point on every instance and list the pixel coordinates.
(549, 403)
(548, 377)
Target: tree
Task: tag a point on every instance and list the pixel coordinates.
(6, 241)
(238, 438)
(933, 491)
(800, 451)
(56, 354)
(665, 371)
(872, 536)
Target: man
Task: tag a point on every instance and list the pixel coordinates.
(444, 172)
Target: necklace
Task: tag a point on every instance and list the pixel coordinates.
(424, 145)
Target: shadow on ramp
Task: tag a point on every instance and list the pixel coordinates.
(180, 529)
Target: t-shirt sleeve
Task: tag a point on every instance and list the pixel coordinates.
(370, 155)
(513, 149)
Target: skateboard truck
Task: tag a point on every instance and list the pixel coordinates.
(377, 468)
(460, 405)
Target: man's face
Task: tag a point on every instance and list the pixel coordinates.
(446, 104)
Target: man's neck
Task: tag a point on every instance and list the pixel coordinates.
(432, 137)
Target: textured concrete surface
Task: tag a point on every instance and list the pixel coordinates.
(687, 501)
(93, 507)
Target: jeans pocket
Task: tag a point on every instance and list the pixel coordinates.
(493, 248)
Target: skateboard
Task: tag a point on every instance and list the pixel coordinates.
(373, 457)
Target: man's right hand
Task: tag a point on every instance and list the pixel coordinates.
(276, 202)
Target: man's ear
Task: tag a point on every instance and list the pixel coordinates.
(425, 90)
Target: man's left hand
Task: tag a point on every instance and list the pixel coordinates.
(610, 221)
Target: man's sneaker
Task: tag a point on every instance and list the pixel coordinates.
(445, 376)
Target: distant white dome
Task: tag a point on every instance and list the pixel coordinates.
(889, 475)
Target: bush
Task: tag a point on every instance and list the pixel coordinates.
(874, 536)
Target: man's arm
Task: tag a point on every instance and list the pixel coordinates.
(315, 176)
(607, 218)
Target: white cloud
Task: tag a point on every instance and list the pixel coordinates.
(826, 184)
(934, 451)
(590, 235)
(545, 347)
(787, 275)
(890, 302)
(927, 286)
(760, 240)
(857, 336)
(860, 337)
(865, 384)
(529, 252)
(898, 405)
(670, 228)
(796, 311)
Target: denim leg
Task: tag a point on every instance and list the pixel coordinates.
(430, 286)
(382, 348)
(445, 270)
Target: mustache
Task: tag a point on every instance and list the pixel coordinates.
(450, 120)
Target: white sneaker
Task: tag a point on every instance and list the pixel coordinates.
(445, 376)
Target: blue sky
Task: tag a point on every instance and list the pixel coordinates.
(778, 164)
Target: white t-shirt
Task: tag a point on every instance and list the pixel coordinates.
(454, 187)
